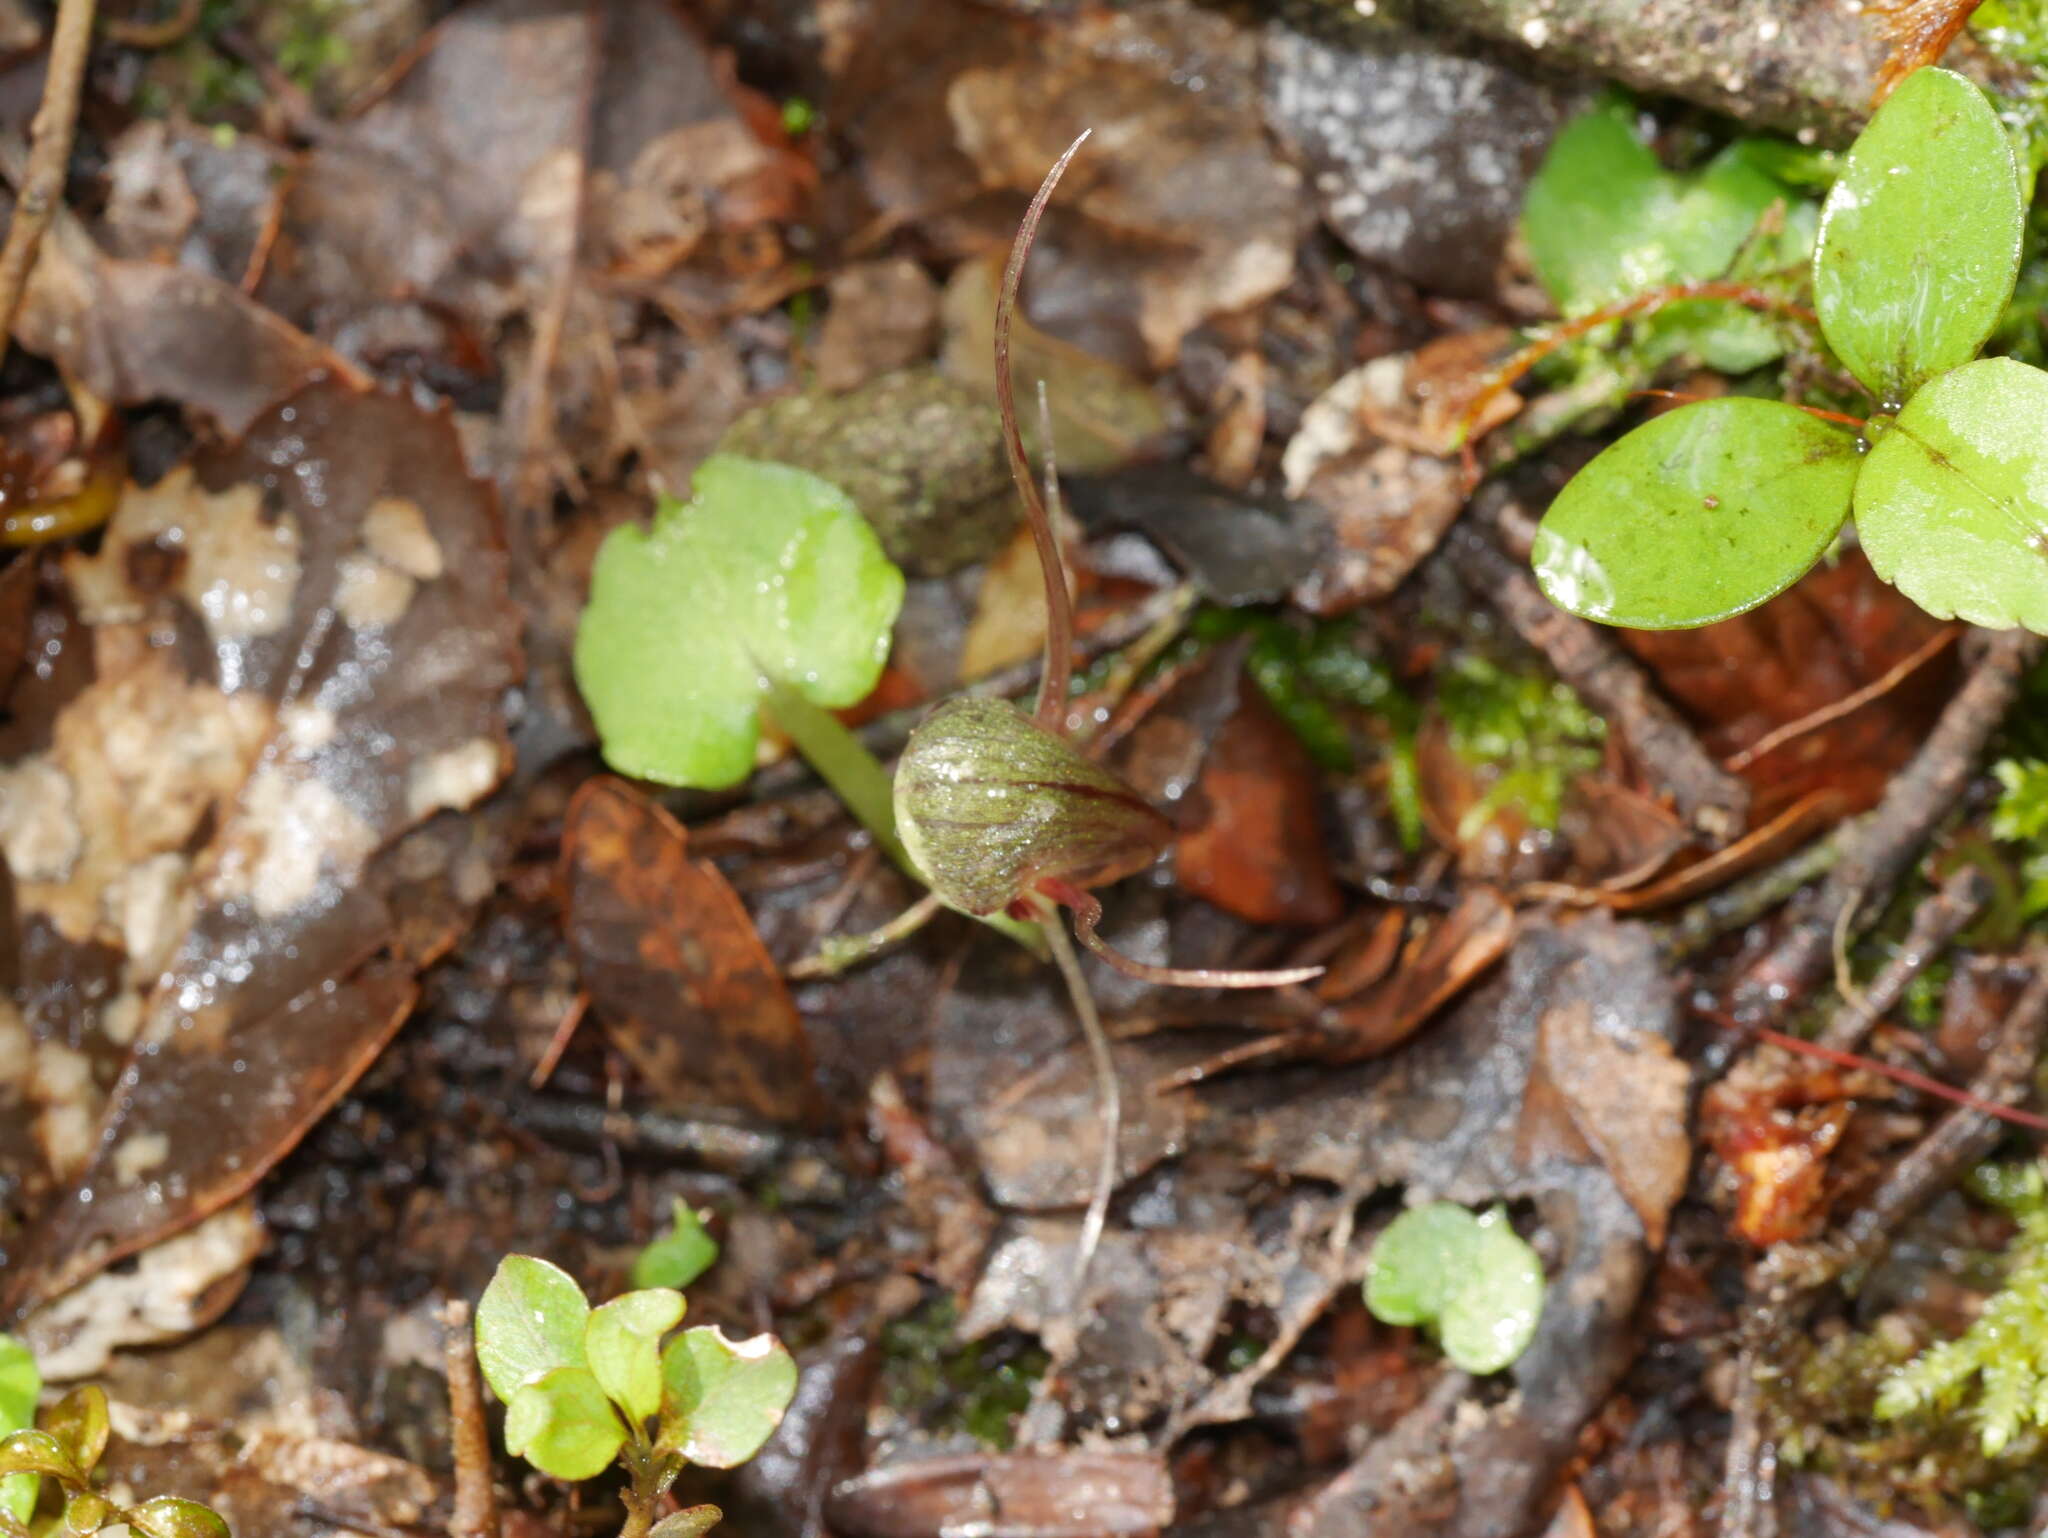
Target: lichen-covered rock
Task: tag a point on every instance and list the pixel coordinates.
(920, 454)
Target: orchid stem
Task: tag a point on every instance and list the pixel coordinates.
(1107, 1091)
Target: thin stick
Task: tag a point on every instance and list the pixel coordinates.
(476, 1504)
(42, 188)
(1088, 914)
(1059, 605)
(1107, 1091)
(1897, 674)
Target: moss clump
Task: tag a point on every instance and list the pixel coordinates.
(1528, 735)
(919, 454)
(981, 1387)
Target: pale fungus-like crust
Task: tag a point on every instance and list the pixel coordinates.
(457, 777)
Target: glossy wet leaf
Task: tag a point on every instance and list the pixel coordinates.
(530, 1321)
(1696, 515)
(623, 1344)
(1920, 238)
(171, 1516)
(690, 1522)
(678, 1256)
(1604, 220)
(722, 1398)
(88, 1512)
(563, 1425)
(1419, 1262)
(1952, 507)
(37, 1452)
(1491, 1315)
(20, 1383)
(79, 1421)
(766, 571)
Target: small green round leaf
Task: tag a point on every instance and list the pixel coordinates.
(79, 1421)
(767, 571)
(1418, 1261)
(563, 1425)
(1698, 514)
(1920, 239)
(1952, 507)
(690, 1522)
(20, 1384)
(723, 1398)
(529, 1322)
(1492, 1313)
(171, 1516)
(623, 1345)
(678, 1257)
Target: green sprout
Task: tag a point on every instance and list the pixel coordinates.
(2021, 817)
(1715, 507)
(581, 1387)
(65, 1449)
(679, 1256)
(1473, 1281)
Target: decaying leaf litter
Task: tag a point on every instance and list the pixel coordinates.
(340, 966)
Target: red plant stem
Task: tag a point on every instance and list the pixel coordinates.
(1088, 914)
(1688, 398)
(1058, 672)
(1905, 1076)
(1535, 352)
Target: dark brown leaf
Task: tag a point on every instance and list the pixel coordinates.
(673, 965)
(302, 651)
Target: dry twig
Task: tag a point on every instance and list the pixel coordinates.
(476, 1504)
(51, 135)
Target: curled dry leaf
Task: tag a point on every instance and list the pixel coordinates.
(300, 651)
(136, 331)
(673, 964)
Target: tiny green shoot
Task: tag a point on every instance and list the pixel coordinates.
(678, 1256)
(585, 1387)
(1711, 509)
(1472, 1281)
(65, 1448)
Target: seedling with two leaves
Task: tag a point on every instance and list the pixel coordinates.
(583, 1387)
(1472, 1282)
(64, 1449)
(1712, 508)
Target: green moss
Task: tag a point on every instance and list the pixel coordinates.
(1528, 735)
(980, 1387)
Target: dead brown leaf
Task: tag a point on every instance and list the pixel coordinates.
(301, 651)
(673, 965)
(1065, 1494)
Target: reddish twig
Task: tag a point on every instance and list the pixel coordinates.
(475, 1514)
(1895, 675)
(52, 132)
(1528, 356)
(1058, 673)
(1088, 914)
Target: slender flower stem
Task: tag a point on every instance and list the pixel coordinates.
(1107, 1091)
(1059, 605)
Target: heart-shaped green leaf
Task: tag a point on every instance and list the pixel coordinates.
(20, 1384)
(1952, 506)
(1420, 1260)
(563, 1425)
(678, 1257)
(723, 1398)
(171, 1516)
(530, 1321)
(623, 1344)
(79, 1421)
(767, 573)
(1491, 1315)
(1696, 515)
(1920, 239)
